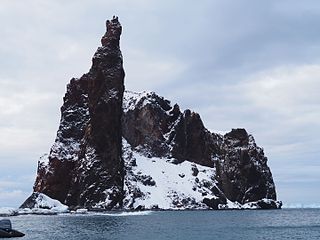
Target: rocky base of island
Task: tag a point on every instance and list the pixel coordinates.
(40, 204)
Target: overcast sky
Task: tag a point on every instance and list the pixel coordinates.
(245, 63)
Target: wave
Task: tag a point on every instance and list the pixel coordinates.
(125, 214)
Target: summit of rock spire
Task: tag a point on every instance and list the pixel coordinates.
(112, 35)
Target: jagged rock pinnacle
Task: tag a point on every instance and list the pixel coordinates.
(85, 165)
(112, 35)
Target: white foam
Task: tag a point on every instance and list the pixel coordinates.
(123, 214)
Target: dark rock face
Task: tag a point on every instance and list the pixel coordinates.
(146, 121)
(87, 166)
(244, 175)
(192, 141)
(85, 163)
(154, 127)
(214, 202)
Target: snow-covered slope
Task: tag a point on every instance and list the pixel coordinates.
(159, 183)
(39, 203)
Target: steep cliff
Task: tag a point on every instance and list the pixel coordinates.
(128, 150)
(85, 166)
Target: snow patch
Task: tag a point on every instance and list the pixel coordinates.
(131, 99)
(220, 132)
(44, 159)
(44, 205)
(67, 150)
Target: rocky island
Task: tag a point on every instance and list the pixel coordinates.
(118, 149)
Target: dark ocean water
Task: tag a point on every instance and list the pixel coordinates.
(195, 225)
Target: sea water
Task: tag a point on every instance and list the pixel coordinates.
(184, 225)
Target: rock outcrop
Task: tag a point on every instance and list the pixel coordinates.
(85, 165)
(127, 150)
(243, 173)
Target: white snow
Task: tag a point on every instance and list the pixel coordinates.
(159, 183)
(43, 201)
(113, 93)
(230, 205)
(175, 186)
(65, 151)
(131, 99)
(220, 132)
(45, 205)
(44, 159)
